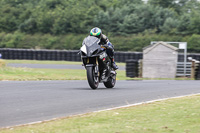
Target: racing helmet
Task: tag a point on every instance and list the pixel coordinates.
(96, 32)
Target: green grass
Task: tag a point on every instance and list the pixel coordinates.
(180, 115)
(11, 73)
(42, 62)
(2, 63)
(49, 62)
(21, 74)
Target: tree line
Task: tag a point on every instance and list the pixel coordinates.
(124, 18)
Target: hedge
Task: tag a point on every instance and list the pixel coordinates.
(74, 41)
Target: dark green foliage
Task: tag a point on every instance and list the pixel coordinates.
(73, 42)
(78, 16)
(163, 3)
(129, 24)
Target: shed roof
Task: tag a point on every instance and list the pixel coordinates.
(152, 46)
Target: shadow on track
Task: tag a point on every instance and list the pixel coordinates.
(101, 88)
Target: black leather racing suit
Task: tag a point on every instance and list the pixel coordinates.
(110, 49)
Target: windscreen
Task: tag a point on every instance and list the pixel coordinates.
(90, 40)
(92, 44)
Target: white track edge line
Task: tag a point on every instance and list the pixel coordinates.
(125, 106)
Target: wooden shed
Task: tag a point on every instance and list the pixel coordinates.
(159, 61)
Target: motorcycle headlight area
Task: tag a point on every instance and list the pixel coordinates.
(94, 52)
(83, 49)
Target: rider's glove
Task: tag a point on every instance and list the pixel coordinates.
(109, 45)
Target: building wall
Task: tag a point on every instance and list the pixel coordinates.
(159, 62)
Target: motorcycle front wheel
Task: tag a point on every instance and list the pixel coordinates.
(92, 77)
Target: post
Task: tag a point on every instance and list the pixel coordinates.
(185, 59)
(183, 45)
(193, 69)
(140, 68)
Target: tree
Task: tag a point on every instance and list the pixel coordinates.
(28, 26)
(163, 3)
(132, 24)
(194, 26)
(170, 26)
(183, 25)
(9, 18)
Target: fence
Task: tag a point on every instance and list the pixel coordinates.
(180, 69)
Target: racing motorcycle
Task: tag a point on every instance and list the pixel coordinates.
(97, 63)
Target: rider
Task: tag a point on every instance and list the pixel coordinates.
(104, 40)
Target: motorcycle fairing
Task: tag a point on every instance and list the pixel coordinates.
(90, 46)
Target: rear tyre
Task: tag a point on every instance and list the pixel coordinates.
(92, 77)
(111, 82)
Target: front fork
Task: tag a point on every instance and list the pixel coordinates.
(92, 62)
(96, 62)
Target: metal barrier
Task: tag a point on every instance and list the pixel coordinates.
(180, 69)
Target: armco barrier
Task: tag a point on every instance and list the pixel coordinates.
(70, 55)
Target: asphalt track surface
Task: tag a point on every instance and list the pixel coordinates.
(23, 102)
(52, 66)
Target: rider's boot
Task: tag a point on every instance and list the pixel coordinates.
(114, 66)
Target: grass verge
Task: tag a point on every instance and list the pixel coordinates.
(49, 62)
(23, 74)
(43, 62)
(2, 63)
(179, 115)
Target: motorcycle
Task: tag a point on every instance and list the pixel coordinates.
(97, 63)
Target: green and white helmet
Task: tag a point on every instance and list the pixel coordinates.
(96, 32)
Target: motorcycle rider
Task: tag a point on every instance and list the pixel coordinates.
(104, 41)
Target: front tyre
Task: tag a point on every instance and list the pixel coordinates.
(92, 77)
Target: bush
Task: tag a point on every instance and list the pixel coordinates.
(133, 42)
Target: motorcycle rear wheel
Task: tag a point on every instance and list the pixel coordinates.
(110, 83)
(92, 78)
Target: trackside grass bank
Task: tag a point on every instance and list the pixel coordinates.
(23, 74)
(43, 62)
(49, 62)
(179, 115)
